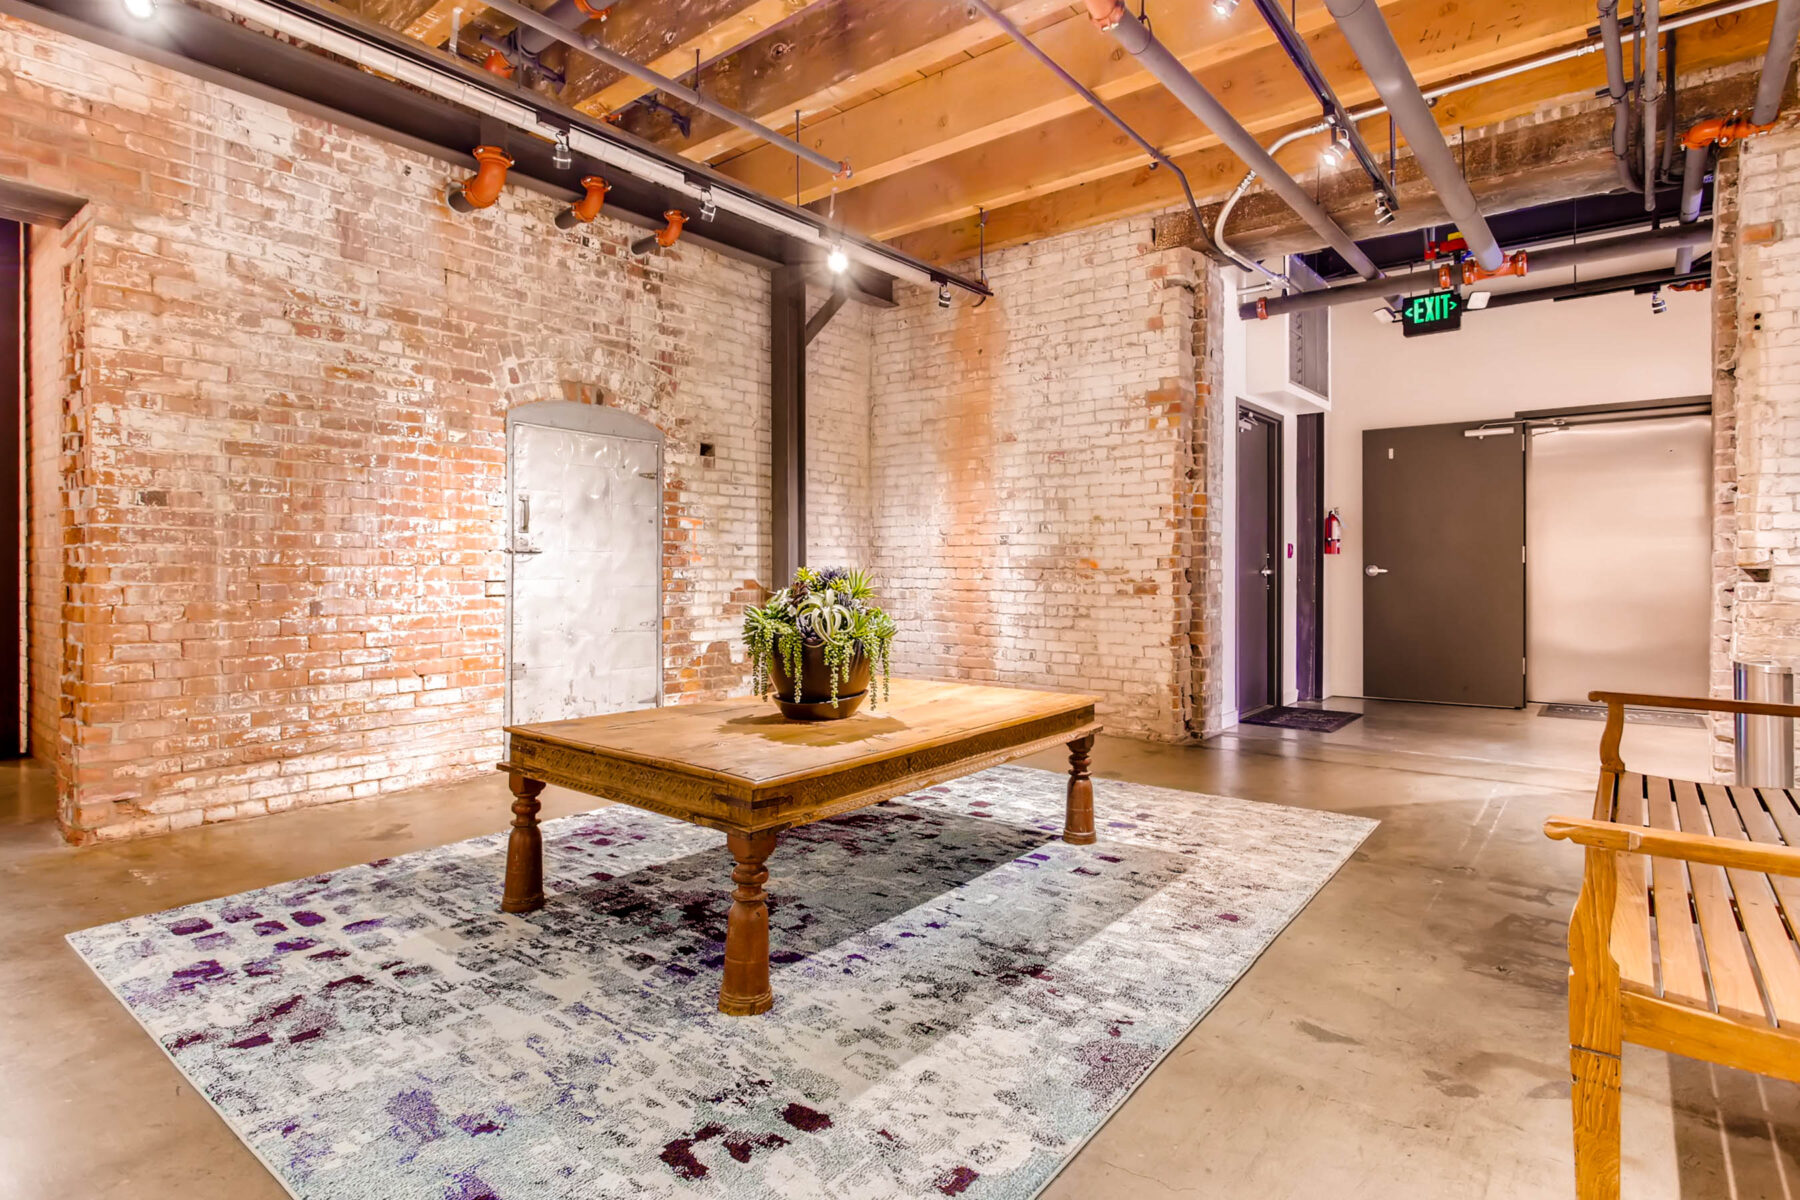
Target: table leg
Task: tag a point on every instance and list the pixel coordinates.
(1078, 819)
(524, 850)
(744, 992)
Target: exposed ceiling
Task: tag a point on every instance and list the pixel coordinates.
(941, 116)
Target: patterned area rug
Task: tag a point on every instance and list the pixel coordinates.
(961, 999)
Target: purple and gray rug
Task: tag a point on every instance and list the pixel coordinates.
(961, 999)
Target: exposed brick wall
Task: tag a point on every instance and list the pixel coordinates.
(1765, 608)
(51, 363)
(284, 455)
(839, 495)
(1725, 570)
(1032, 460)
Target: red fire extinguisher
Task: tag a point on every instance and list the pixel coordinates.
(1334, 533)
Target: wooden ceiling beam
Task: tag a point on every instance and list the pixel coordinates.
(834, 53)
(1213, 170)
(666, 38)
(1085, 147)
(1006, 92)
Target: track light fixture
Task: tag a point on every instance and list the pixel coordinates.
(1384, 213)
(1224, 8)
(709, 207)
(1658, 306)
(140, 10)
(837, 260)
(943, 295)
(560, 158)
(1332, 156)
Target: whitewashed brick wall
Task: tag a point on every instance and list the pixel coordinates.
(839, 490)
(1033, 494)
(1764, 323)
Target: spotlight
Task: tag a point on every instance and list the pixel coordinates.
(943, 295)
(837, 260)
(1224, 8)
(1658, 305)
(1332, 156)
(140, 10)
(560, 158)
(1384, 213)
(709, 208)
(1386, 315)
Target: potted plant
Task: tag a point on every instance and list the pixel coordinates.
(816, 643)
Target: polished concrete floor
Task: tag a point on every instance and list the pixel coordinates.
(1404, 1038)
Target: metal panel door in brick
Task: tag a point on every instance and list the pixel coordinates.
(585, 608)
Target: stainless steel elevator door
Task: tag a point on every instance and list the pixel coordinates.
(1618, 540)
(585, 611)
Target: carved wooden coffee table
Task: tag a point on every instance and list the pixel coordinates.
(742, 768)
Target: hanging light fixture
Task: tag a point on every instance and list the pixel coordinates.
(1332, 156)
(560, 158)
(837, 260)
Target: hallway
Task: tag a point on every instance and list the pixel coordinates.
(1404, 1038)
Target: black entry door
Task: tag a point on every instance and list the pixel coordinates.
(1258, 561)
(1444, 565)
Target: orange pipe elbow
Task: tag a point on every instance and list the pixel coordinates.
(1721, 131)
(497, 63)
(586, 208)
(669, 234)
(1105, 13)
(482, 188)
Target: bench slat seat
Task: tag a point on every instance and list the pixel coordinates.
(1717, 938)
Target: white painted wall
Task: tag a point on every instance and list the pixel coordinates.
(1600, 350)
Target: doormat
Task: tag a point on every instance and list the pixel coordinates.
(961, 999)
(1680, 718)
(1314, 720)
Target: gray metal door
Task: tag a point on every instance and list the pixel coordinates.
(1443, 565)
(1619, 533)
(585, 606)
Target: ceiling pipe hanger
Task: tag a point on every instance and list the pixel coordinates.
(1111, 17)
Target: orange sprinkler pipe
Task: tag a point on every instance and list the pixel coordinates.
(497, 63)
(586, 208)
(482, 188)
(1513, 264)
(1721, 131)
(665, 237)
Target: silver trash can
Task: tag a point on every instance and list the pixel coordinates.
(1765, 745)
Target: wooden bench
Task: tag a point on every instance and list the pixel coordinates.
(1683, 937)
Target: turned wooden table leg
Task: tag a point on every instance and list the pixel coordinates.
(1078, 820)
(524, 850)
(744, 991)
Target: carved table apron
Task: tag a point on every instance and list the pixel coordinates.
(743, 769)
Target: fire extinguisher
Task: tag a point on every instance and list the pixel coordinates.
(1334, 533)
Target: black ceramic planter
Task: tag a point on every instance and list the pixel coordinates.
(815, 687)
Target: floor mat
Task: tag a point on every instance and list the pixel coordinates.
(1314, 720)
(1680, 718)
(961, 998)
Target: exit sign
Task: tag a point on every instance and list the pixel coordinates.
(1434, 312)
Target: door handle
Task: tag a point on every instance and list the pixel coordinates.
(1266, 572)
(1373, 571)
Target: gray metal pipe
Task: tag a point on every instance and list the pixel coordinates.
(1112, 17)
(1367, 32)
(1693, 181)
(563, 12)
(1777, 63)
(1612, 42)
(1669, 237)
(532, 19)
(1652, 96)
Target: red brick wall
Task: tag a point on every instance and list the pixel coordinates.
(282, 458)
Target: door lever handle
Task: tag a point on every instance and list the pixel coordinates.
(1372, 571)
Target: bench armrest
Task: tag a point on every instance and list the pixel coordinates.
(1690, 847)
(1754, 708)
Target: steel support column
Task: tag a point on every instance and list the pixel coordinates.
(787, 422)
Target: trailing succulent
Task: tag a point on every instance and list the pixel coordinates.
(832, 608)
